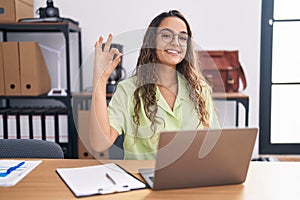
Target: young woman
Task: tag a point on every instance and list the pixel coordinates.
(167, 91)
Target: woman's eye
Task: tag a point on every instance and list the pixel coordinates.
(183, 38)
(167, 36)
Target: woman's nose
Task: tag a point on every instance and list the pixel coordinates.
(175, 40)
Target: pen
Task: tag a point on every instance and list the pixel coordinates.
(114, 182)
(111, 179)
(116, 188)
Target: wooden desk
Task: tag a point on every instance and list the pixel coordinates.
(266, 180)
(240, 98)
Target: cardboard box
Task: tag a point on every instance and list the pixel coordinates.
(2, 83)
(24, 69)
(10, 55)
(35, 78)
(83, 140)
(13, 10)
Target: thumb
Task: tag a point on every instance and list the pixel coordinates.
(117, 60)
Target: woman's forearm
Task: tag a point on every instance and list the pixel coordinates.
(101, 135)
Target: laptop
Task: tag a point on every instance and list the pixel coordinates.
(201, 158)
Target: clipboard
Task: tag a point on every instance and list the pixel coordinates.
(99, 179)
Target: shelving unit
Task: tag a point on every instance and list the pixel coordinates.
(70, 148)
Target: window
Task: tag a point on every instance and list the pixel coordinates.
(280, 77)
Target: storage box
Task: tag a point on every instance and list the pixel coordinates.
(13, 10)
(2, 83)
(10, 55)
(24, 69)
(34, 75)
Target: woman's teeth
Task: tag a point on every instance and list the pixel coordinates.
(172, 51)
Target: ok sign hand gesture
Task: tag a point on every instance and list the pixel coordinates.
(105, 61)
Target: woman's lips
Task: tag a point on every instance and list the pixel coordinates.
(172, 51)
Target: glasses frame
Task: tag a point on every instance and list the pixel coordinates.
(185, 44)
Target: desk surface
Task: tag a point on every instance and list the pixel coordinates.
(266, 180)
(230, 95)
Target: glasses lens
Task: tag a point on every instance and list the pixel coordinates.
(183, 39)
(167, 36)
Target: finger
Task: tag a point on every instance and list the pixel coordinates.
(98, 44)
(117, 60)
(114, 51)
(100, 40)
(108, 43)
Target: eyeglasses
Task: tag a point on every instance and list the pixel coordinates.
(168, 35)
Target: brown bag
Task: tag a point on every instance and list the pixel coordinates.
(222, 70)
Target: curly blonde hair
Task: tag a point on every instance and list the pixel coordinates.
(146, 73)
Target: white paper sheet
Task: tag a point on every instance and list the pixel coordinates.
(18, 174)
(91, 180)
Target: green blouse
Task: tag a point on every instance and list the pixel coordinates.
(143, 145)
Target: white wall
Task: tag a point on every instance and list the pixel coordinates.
(216, 24)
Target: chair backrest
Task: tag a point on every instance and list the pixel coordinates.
(29, 148)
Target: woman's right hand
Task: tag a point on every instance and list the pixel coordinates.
(101, 134)
(106, 60)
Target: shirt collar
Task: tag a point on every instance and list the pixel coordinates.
(182, 94)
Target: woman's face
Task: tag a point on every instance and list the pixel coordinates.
(171, 41)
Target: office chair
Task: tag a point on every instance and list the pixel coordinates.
(29, 148)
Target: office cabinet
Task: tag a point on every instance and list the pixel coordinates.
(64, 112)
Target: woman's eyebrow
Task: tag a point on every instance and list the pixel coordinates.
(168, 29)
(184, 32)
